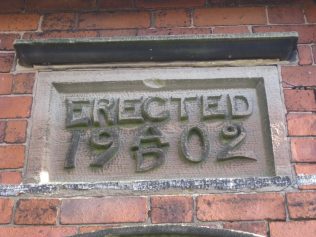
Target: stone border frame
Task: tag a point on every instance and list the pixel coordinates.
(270, 75)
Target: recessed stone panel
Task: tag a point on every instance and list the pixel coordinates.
(157, 124)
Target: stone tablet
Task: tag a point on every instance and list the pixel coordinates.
(157, 124)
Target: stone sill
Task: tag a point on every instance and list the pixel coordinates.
(193, 48)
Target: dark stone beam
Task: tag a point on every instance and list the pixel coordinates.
(157, 48)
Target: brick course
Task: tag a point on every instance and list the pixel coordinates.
(300, 100)
(12, 156)
(10, 177)
(305, 55)
(302, 205)
(34, 231)
(171, 209)
(303, 149)
(229, 16)
(15, 131)
(16, 22)
(122, 209)
(15, 107)
(6, 207)
(115, 20)
(293, 229)
(36, 211)
(219, 207)
(306, 122)
(285, 15)
(259, 228)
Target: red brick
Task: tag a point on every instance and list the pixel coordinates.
(89, 229)
(114, 20)
(169, 4)
(237, 3)
(285, 14)
(6, 41)
(310, 13)
(40, 231)
(174, 31)
(36, 211)
(302, 205)
(48, 5)
(115, 4)
(10, 177)
(229, 207)
(300, 100)
(299, 76)
(59, 21)
(16, 22)
(2, 130)
(229, 16)
(124, 32)
(12, 156)
(301, 124)
(306, 33)
(171, 18)
(171, 209)
(110, 210)
(303, 150)
(23, 83)
(305, 55)
(11, 6)
(259, 228)
(306, 169)
(5, 84)
(6, 61)
(61, 34)
(15, 107)
(15, 131)
(6, 206)
(314, 52)
(293, 229)
(231, 30)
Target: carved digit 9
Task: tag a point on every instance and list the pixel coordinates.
(104, 138)
(236, 134)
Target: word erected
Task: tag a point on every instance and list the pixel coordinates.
(150, 146)
(115, 111)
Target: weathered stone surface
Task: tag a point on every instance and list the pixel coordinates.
(170, 131)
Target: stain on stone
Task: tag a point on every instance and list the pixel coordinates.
(221, 184)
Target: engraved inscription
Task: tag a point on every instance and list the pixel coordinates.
(202, 134)
(105, 139)
(138, 126)
(149, 143)
(103, 118)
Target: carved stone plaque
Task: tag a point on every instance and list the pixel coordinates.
(157, 123)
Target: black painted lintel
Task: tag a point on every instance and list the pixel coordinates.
(157, 48)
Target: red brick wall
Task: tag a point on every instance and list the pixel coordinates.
(275, 214)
